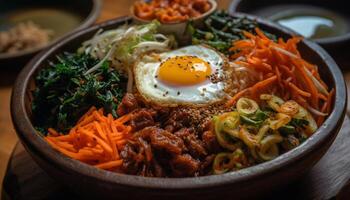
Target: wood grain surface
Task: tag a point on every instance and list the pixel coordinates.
(111, 9)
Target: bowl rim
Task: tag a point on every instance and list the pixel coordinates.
(89, 20)
(32, 140)
(213, 3)
(328, 41)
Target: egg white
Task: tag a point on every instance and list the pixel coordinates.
(156, 91)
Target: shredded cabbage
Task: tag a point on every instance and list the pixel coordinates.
(124, 45)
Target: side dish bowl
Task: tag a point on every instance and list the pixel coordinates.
(177, 28)
(253, 181)
(46, 14)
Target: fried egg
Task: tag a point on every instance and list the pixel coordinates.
(192, 75)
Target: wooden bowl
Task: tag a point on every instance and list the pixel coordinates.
(62, 17)
(246, 183)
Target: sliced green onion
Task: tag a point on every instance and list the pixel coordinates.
(225, 162)
(246, 106)
(222, 163)
(311, 126)
(281, 120)
(260, 115)
(223, 126)
(273, 101)
(269, 149)
(249, 121)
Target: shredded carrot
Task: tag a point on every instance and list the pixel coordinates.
(263, 84)
(281, 61)
(110, 164)
(298, 90)
(233, 100)
(330, 100)
(95, 139)
(53, 132)
(326, 107)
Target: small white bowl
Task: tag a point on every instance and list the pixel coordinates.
(178, 29)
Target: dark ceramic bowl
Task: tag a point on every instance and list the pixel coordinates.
(334, 45)
(62, 17)
(253, 181)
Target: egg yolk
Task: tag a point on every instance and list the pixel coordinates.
(184, 70)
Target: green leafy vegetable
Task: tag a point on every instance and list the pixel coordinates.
(64, 93)
(221, 30)
(299, 122)
(249, 121)
(287, 129)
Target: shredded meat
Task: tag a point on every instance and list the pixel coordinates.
(138, 159)
(206, 164)
(210, 142)
(142, 118)
(178, 119)
(167, 142)
(162, 140)
(154, 151)
(193, 144)
(128, 104)
(184, 165)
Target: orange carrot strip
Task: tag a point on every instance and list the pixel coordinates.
(103, 144)
(323, 97)
(298, 90)
(100, 131)
(124, 118)
(233, 100)
(321, 118)
(115, 154)
(312, 88)
(53, 132)
(94, 139)
(264, 83)
(330, 100)
(261, 34)
(110, 164)
(93, 108)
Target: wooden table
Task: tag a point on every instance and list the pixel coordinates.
(111, 9)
